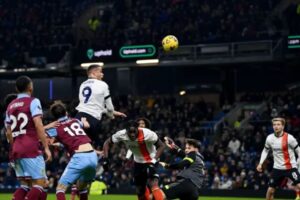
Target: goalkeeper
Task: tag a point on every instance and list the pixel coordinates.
(191, 176)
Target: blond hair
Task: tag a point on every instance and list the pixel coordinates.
(280, 119)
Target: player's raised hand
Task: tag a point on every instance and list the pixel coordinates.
(163, 164)
(48, 155)
(85, 123)
(169, 142)
(119, 114)
(259, 168)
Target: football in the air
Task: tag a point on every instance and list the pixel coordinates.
(170, 43)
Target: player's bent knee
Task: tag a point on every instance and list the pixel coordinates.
(25, 182)
(40, 182)
(61, 187)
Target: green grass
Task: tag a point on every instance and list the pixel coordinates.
(130, 197)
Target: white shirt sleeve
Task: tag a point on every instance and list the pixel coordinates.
(293, 142)
(265, 151)
(106, 91)
(107, 100)
(150, 136)
(267, 144)
(118, 136)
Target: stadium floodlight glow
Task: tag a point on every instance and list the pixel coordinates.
(86, 65)
(182, 92)
(147, 61)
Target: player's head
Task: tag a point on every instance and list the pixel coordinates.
(132, 129)
(143, 122)
(278, 124)
(95, 71)
(9, 98)
(24, 85)
(191, 145)
(58, 110)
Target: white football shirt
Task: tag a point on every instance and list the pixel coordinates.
(283, 150)
(92, 95)
(143, 147)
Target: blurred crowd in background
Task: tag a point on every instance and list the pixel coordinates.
(48, 29)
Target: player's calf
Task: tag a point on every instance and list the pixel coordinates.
(157, 193)
(74, 192)
(82, 190)
(37, 191)
(21, 192)
(60, 192)
(270, 193)
(143, 193)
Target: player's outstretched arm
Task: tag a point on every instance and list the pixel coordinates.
(85, 123)
(9, 135)
(41, 134)
(119, 114)
(51, 125)
(160, 146)
(185, 162)
(111, 112)
(106, 147)
(263, 157)
(170, 143)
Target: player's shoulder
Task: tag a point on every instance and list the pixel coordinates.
(92, 81)
(121, 132)
(120, 136)
(103, 83)
(9, 107)
(147, 130)
(99, 84)
(290, 136)
(148, 134)
(34, 99)
(271, 136)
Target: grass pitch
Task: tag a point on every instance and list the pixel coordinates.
(129, 197)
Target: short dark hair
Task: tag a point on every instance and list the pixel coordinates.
(131, 124)
(9, 98)
(147, 121)
(22, 83)
(193, 142)
(58, 110)
(92, 67)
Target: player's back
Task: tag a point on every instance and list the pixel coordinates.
(26, 142)
(92, 94)
(70, 134)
